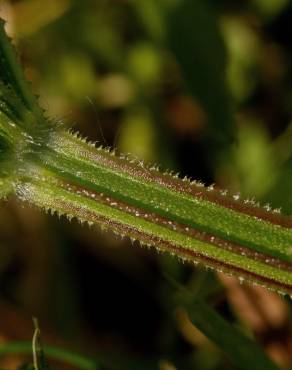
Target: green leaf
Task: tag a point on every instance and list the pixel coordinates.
(194, 38)
(242, 351)
(60, 354)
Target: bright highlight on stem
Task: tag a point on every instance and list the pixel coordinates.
(56, 170)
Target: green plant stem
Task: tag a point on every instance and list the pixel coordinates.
(73, 178)
(55, 170)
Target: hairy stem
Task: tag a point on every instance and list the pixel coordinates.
(196, 223)
(56, 170)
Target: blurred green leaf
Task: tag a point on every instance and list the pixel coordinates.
(280, 194)
(244, 50)
(194, 38)
(151, 14)
(271, 8)
(244, 353)
(56, 353)
(255, 165)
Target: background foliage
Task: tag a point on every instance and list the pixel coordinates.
(205, 91)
